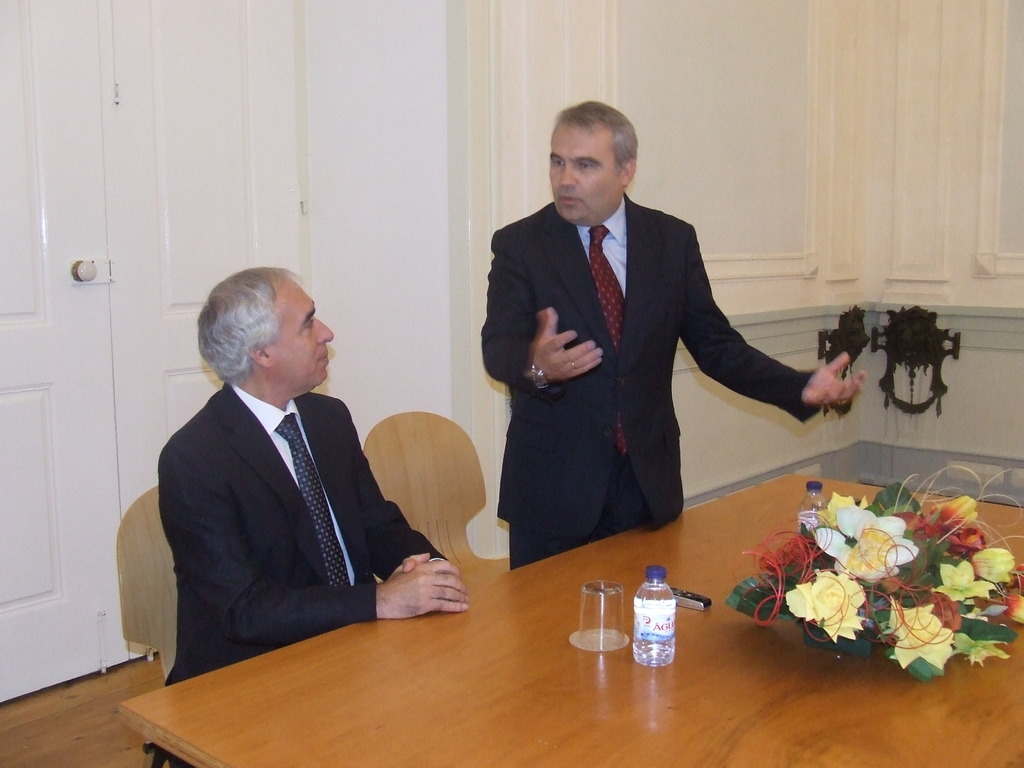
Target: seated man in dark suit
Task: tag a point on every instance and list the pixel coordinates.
(269, 546)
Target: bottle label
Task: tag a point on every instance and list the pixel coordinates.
(654, 622)
(809, 518)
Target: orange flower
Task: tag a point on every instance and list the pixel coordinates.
(962, 509)
(946, 609)
(966, 541)
(951, 522)
(1015, 607)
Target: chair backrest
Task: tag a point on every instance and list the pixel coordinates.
(145, 568)
(428, 465)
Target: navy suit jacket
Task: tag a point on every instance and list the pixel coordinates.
(249, 570)
(560, 440)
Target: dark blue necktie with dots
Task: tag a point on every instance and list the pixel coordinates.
(313, 492)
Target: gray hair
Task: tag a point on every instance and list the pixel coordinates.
(238, 318)
(589, 114)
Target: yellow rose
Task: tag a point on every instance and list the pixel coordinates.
(831, 601)
(993, 564)
(919, 634)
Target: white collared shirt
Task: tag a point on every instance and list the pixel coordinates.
(270, 416)
(614, 244)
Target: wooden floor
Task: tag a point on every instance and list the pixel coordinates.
(75, 724)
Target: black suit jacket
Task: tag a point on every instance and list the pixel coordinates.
(560, 439)
(249, 570)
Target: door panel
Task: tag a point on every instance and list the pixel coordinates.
(58, 495)
(203, 180)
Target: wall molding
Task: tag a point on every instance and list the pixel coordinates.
(788, 332)
(987, 265)
(881, 464)
(987, 261)
(760, 266)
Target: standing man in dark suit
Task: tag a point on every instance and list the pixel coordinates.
(254, 572)
(587, 301)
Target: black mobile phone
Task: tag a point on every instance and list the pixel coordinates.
(686, 599)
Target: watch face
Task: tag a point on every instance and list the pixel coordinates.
(536, 376)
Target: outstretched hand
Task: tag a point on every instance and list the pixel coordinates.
(825, 386)
(548, 352)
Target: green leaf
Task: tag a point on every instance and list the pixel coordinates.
(976, 629)
(922, 670)
(758, 600)
(919, 668)
(894, 498)
(816, 637)
(735, 597)
(746, 595)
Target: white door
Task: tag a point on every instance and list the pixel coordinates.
(58, 493)
(163, 136)
(202, 150)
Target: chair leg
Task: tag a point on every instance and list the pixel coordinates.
(158, 756)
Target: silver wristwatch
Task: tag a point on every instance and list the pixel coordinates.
(536, 376)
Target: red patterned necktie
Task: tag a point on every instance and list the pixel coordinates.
(608, 289)
(609, 292)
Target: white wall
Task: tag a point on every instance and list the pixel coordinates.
(1011, 220)
(378, 166)
(722, 120)
(828, 153)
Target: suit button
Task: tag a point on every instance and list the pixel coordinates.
(608, 433)
(620, 381)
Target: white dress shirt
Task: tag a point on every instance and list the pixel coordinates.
(614, 244)
(270, 417)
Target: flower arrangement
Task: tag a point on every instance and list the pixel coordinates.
(919, 579)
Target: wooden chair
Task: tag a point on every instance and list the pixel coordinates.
(428, 465)
(149, 594)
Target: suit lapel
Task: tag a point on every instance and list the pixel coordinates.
(255, 447)
(569, 259)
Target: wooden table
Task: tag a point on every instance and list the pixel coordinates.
(501, 686)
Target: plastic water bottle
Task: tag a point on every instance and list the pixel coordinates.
(809, 514)
(654, 620)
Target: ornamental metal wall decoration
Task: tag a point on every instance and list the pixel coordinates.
(914, 341)
(849, 336)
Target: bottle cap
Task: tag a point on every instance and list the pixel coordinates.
(813, 485)
(656, 572)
